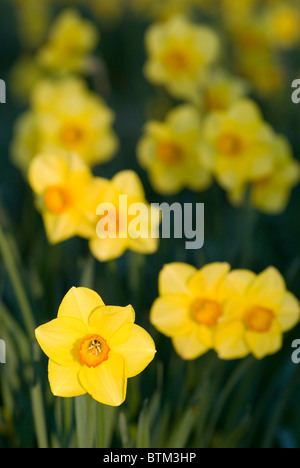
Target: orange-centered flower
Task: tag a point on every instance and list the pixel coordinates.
(206, 312)
(93, 348)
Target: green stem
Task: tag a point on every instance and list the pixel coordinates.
(39, 415)
(81, 420)
(13, 273)
(100, 434)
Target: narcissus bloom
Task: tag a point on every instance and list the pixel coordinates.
(271, 194)
(180, 55)
(65, 115)
(258, 312)
(282, 24)
(124, 219)
(171, 152)
(93, 348)
(65, 193)
(72, 39)
(240, 147)
(190, 306)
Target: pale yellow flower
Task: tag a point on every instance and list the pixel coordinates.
(271, 194)
(180, 55)
(170, 151)
(71, 42)
(65, 115)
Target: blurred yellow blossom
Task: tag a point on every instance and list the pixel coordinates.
(171, 152)
(72, 39)
(118, 227)
(93, 348)
(271, 194)
(222, 90)
(240, 143)
(282, 23)
(65, 192)
(180, 55)
(65, 115)
(190, 306)
(258, 312)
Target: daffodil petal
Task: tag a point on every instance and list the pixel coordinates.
(46, 170)
(289, 314)
(208, 278)
(128, 182)
(268, 288)
(170, 315)
(64, 380)
(230, 342)
(60, 338)
(106, 383)
(107, 249)
(264, 344)
(107, 321)
(237, 282)
(138, 351)
(80, 303)
(174, 277)
(188, 346)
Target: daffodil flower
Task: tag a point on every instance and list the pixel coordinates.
(93, 348)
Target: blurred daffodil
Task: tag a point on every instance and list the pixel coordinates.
(65, 193)
(65, 115)
(271, 194)
(72, 40)
(190, 306)
(180, 55)
(93, 348)
(259, 311)
(171, 152)
(125, 221)
(240, 143)
(282, 23)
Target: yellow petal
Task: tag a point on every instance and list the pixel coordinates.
(143, 246)
(268, 288)
(138, 351)
(106, 383)
(107, 249)
(188, 346)
(60, 338)
(80, 303)
(174, 277)
(64, 380)
(289, 314)
(230, 342)
(107, 321)
(170, 315)
(47, 170)
(60, 227)
(237, 282)
(128, 182)
(208, 278)
(263, 344)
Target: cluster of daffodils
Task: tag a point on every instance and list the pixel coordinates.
(220, 134)
(93, 348)
(234, 312)
(68, 196)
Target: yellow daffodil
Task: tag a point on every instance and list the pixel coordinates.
(93, 348)
(282, 23)
(65, 115)
(171, 152)
(65, 193)
(190, 306)
(258, 312)
(271, 194)
(124, 219)
(241, 145)
(180, 55)
(72, 40)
